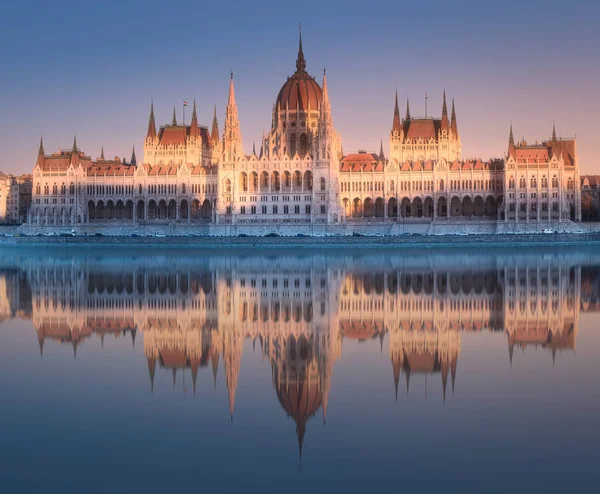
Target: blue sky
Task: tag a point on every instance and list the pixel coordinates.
(92, 68)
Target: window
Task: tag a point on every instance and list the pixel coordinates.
(275, 209)
(292, 145)
(323, 209)
(322, 183)
(307, 209)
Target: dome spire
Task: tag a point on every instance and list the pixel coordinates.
(300, 62)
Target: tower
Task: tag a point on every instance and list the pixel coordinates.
(232, 134)
(327, 183)
(397, 132)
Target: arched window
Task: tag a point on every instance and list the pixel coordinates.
(392, 187)
(303, 143)
(322, 183)
(554, 182)
(183, 188)
(441, 185)
(292, 145)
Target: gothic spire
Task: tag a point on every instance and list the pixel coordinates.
(453, 123)
(300, 62)
(511, 142)
(407, 117)
(133, 159)
(41, 148)
(75, 150)
(174, 122)
(214, 134)
(254, 153)
(232, 135)
(381, 155)
(553, 133)
(151, 123)
(102, 153)
(445, 121)
(194, 129)
(396, 125)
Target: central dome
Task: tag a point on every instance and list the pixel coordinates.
(301, 90)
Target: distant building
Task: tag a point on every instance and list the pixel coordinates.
(9, 199)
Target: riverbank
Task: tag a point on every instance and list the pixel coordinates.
(400, 242)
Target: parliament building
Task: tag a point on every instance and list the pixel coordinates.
(198, 179)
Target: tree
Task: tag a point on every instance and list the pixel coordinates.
(589, 210)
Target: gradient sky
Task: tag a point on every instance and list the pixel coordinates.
(91, 69)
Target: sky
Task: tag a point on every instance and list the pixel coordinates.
(92, 68)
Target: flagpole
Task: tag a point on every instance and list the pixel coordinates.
(184, 113)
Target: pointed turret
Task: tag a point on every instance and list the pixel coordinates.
(151, 123)
(553, 133)
(254, 153)
(214, 134)
(40, 158)
(396, 125)
(407, 116)
(102, 153)
(133, 158)
(445, 120)
(453, 124)
(300, 61)
(325, 104)
(511, 142)
(74, 152)
(194, 129)
(174, 122)
(381, 155)
(232, 135)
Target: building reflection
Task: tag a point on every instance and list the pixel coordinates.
(194, 313)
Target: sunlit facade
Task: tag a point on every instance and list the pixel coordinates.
(193, 176)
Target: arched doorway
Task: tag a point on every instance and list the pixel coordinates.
(479, 206)
(491, 208)
(428, 207)
(206, 210)
(91, 210)
(162, 210)
(467, 207)
(405, 208)
(140, 210)
(442, 208)
(152, 210)
(357, 208)
(379, 207)
(455, 207)
(417, 207)
(393, 208)
(369, 208)
(129, 210)
(172, 210)
(183, 210)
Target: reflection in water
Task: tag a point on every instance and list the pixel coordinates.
(195, 311)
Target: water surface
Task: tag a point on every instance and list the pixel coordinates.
(146, 371)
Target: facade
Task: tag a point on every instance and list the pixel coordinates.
(299, 177)
(15, 198)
